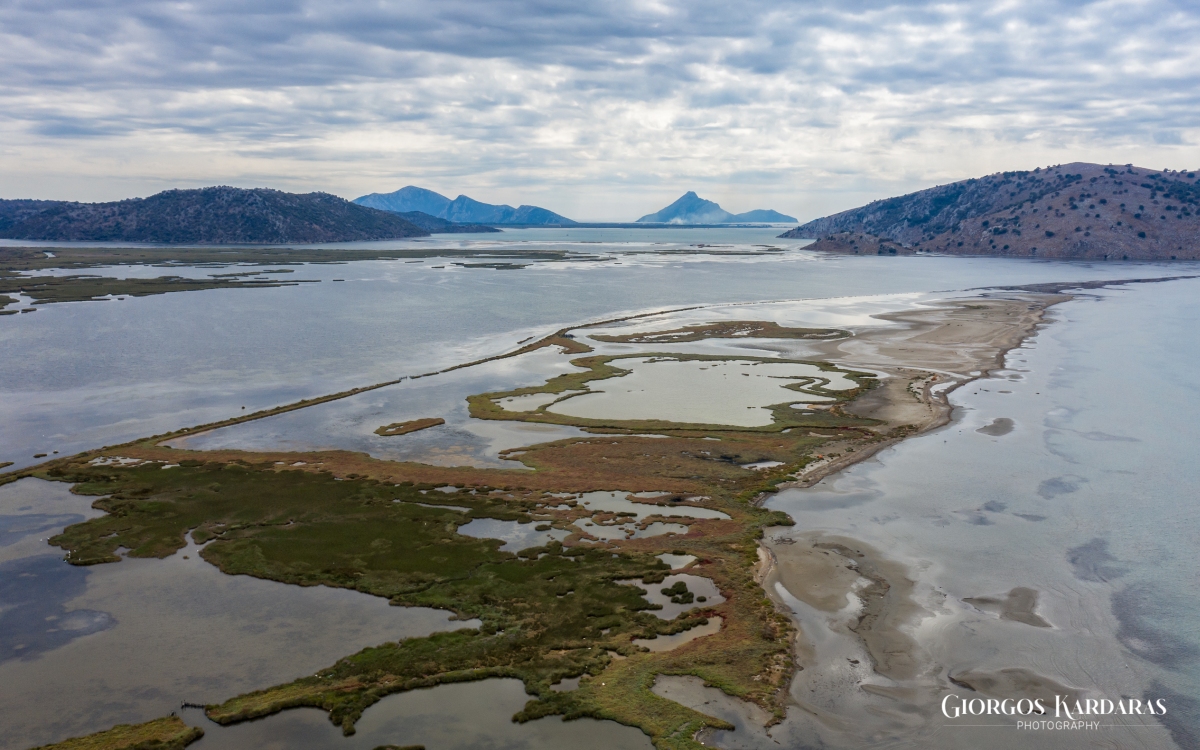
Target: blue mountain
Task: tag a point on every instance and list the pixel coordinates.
(462, 209)
(766, 215)
(692, 209)
(407, 199)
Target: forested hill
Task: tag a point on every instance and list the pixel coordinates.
(214, 215)
(1070, 211)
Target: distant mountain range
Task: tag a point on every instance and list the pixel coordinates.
(462, 209)
(214, 215)
(692, 209)
(1070, 211)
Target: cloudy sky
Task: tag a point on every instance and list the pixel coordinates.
(601, 110)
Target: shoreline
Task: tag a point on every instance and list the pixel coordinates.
(826, 572)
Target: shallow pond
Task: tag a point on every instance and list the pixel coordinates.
(698, 585)
(672, 642)
(727, 392)
(677, 561)
(619, 502)
(516, 535)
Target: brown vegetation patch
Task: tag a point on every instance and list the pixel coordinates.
(403, 428)
(760, 329)
(167, 733)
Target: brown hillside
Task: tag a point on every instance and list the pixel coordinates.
(1070, 211)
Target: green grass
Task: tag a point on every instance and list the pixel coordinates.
(546, 614)
(167, 733)
(46, 289)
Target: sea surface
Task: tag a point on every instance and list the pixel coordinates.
(1091, 499)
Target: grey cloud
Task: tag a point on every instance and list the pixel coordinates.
(572, 92)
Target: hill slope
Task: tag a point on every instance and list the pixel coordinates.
(434, 225)
(14, 212)
(1070, 211)
(462, 209)
(692, 209)
(215, 215)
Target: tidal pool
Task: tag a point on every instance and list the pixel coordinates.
(698, 585)
(515, 535)
(672, 642)
(618, 502)
(728, 392)
(677, 561)
(532, 401)
(1094, 509)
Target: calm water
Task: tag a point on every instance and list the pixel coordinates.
(1104, 404)
(1093, 500)
(81, 375)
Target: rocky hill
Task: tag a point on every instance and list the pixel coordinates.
(1069, 211)
(461, 210)
(692, 209)
(215, 215)
(14, 212)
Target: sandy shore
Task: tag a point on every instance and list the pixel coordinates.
(927, 354)
(856, 608)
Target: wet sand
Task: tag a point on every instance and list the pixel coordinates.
(1017, 605)
(868, 667)
(860, 667)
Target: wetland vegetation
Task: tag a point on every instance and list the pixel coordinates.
(548, 613)
(18, 267)
(86, 287)
(413, 425)
(167, 733)
(760, 329)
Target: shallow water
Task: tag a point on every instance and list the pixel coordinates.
(129, 641)
(727, 392)
(516, 536)
(86, 374)
(350, 423)
(698, 585)
(619, 502)
(672, 642)
(677, 561)
(1089, 499)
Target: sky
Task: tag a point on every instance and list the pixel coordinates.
(598, 111)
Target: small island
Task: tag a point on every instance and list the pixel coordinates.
(403, 428)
